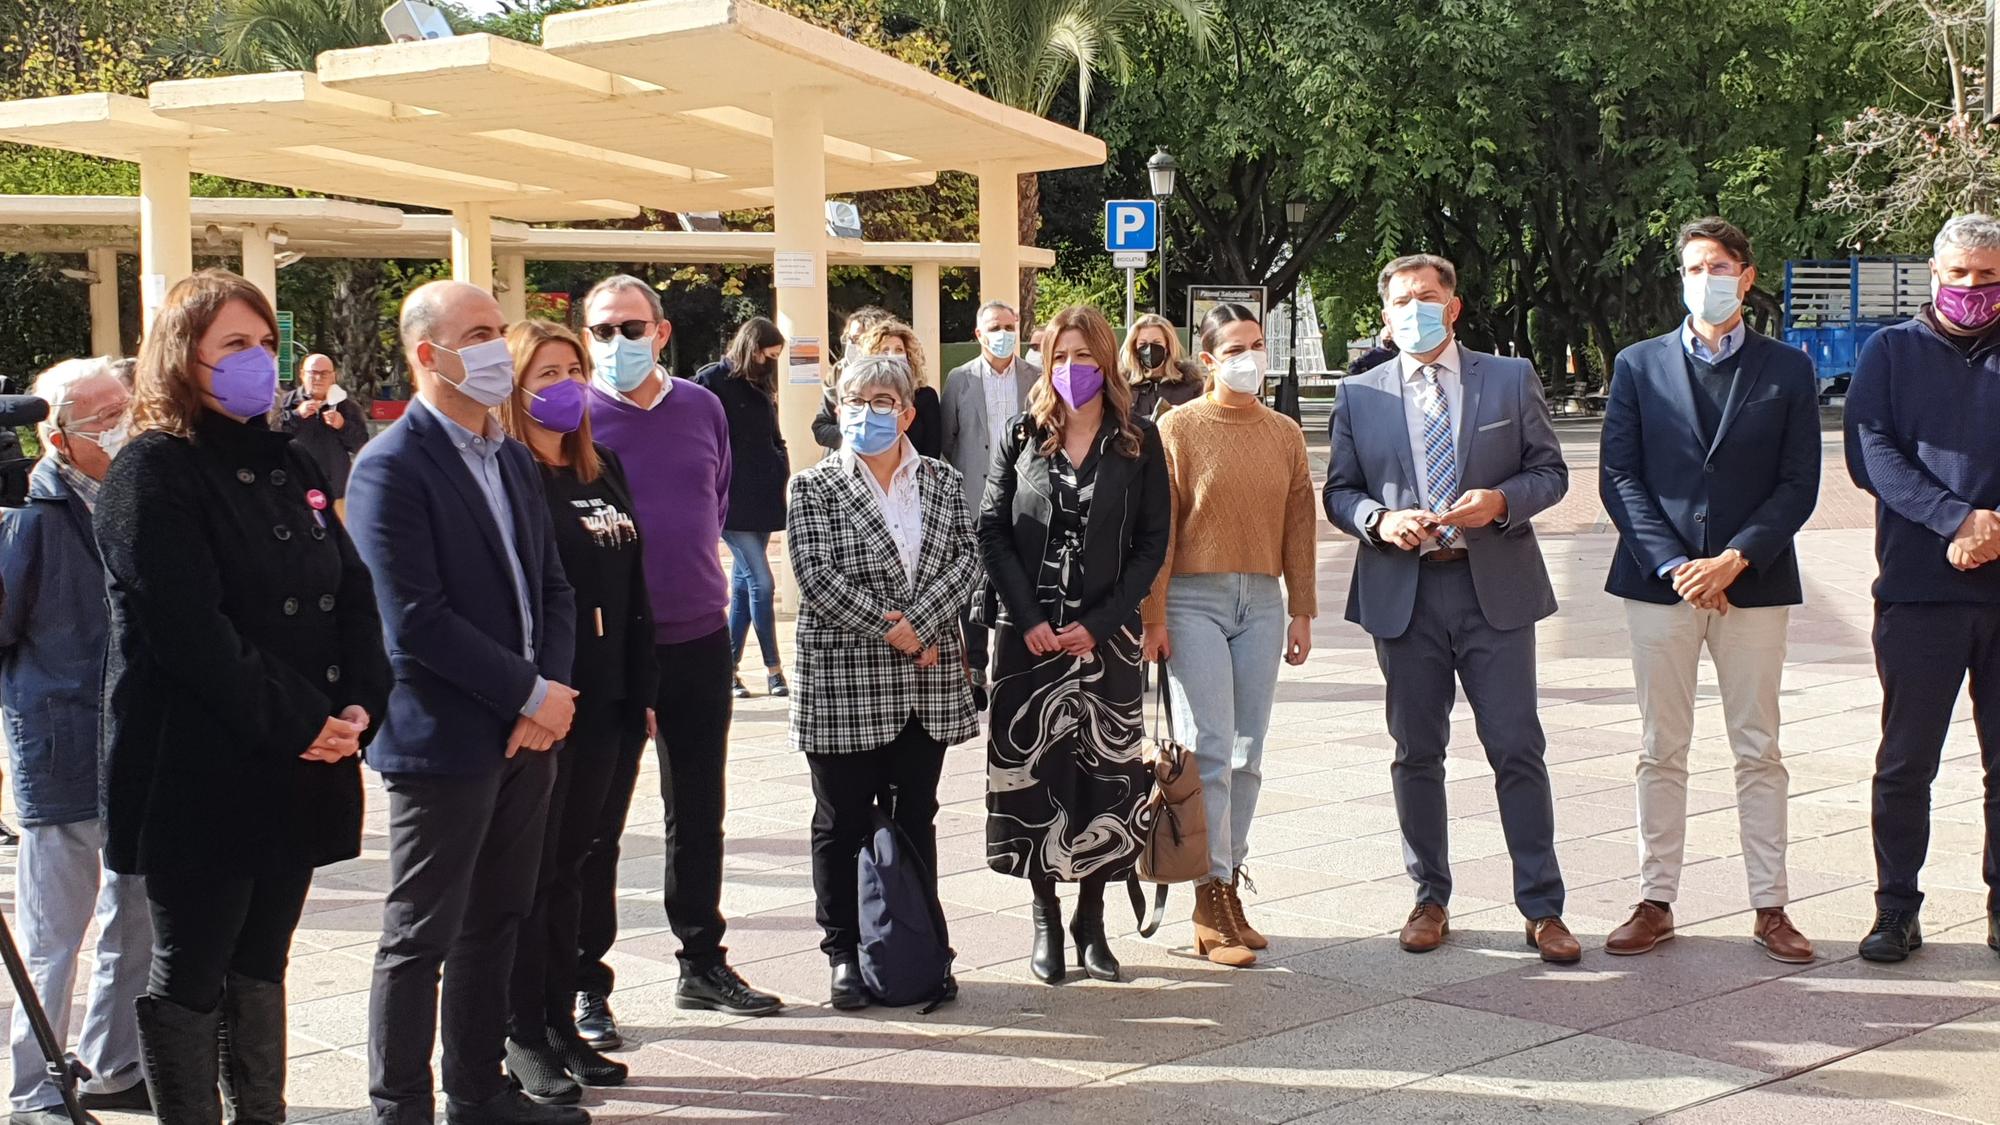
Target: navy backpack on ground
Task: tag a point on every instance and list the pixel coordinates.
(906, 952)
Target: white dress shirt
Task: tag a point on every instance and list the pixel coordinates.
(1413, 410)
(1001, 401)
(901, 504)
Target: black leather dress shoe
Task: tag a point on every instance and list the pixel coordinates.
(848, 993)
(595, 1022)
(1895, 935)
(718, 989)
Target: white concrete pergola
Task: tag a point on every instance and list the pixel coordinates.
(102, 226)
(685, 105)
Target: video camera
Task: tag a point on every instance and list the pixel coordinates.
(16, 411)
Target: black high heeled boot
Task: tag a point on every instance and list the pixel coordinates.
(1093, 950)
(1047, 962)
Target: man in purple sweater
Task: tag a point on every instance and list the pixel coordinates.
(674, 439)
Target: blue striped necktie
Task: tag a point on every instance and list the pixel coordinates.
(1440, 460)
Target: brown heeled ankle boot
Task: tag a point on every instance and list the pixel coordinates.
(1215, 933)
(1239, 882)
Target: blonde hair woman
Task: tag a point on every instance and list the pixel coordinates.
(1157, 367)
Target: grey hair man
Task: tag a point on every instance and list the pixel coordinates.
(1923, 435)
(1442, 457)
(53, 625)
(981, 397)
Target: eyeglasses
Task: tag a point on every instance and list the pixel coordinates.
(880, 404)
(630, 329)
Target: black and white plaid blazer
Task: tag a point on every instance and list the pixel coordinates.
(851, 690)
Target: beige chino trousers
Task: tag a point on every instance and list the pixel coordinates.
(1748, 648)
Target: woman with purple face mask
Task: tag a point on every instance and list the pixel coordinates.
(244, 668)
(1074, 527)
(615, 674)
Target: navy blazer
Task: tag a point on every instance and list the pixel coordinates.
(1505, 441)
(1672, 494)
(449, 616)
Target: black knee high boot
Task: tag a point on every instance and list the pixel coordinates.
(1049, 957)
(1093, 951)
(177, 1054)
(253, 1051)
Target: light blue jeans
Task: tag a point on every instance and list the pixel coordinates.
(61, 887)
(751, 595)
(1228, 637)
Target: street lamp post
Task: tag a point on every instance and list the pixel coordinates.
(1288, 391)
(1162, 170)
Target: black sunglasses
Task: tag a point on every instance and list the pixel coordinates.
(630, 329)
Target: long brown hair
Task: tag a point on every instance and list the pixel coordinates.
(873, 337)
(746, 355)
(523, 341)
(1048, 409)
(166, 391)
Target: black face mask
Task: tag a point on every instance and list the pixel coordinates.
(1152, 357)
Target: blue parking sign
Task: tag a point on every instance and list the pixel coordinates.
(1131, 224)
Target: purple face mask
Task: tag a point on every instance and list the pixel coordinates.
(558, 408)
(1078, 383)
(1972, 308)
(245, 382)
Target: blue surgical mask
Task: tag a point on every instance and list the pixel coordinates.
(1711, 298)
(1000, 343)
(1419, 326)
(866, 432)
(620, 363)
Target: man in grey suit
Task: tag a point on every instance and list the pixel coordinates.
(980, 398)
(1441, 458)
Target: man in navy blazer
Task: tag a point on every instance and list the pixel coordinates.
(480, 626)
(1710, 465)
(1441, 459)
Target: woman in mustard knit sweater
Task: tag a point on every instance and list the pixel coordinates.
(1243, 518)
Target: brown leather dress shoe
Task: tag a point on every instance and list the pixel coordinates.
(1781, 940)
(1554, 941)
(1648, 927)
(1426, 929)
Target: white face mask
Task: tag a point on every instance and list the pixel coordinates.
(1244, 372)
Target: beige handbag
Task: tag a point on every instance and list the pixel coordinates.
(1173, 820)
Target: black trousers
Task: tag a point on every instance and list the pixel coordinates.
(1923, 652)
(693, 711)
(205, 928)
(902, 777)
(597, 923)
(545, 955)
(464, 853)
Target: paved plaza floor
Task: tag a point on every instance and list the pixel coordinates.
(1336, 1024)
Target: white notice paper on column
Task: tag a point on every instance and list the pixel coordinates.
(153, 289)
(793, 269)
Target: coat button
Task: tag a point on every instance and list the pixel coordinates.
(333, 674)
(291, 607)
(278, 477)
(246, 476)
(282, 532)
(326, 603)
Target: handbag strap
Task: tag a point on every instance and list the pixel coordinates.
(1149, 923)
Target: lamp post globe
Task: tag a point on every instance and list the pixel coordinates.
(1162, 170)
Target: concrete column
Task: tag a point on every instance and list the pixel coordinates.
(926, 316)
(165, 253)
(260, 262)
(999, 235)
(472, 245)
(514, 282)
(104, 337)
(798, 162)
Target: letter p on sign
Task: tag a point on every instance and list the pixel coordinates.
(1131, 224)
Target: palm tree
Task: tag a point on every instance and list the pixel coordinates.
(1025, 51)
(290, 34)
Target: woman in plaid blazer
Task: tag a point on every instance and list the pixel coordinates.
(882, 547)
